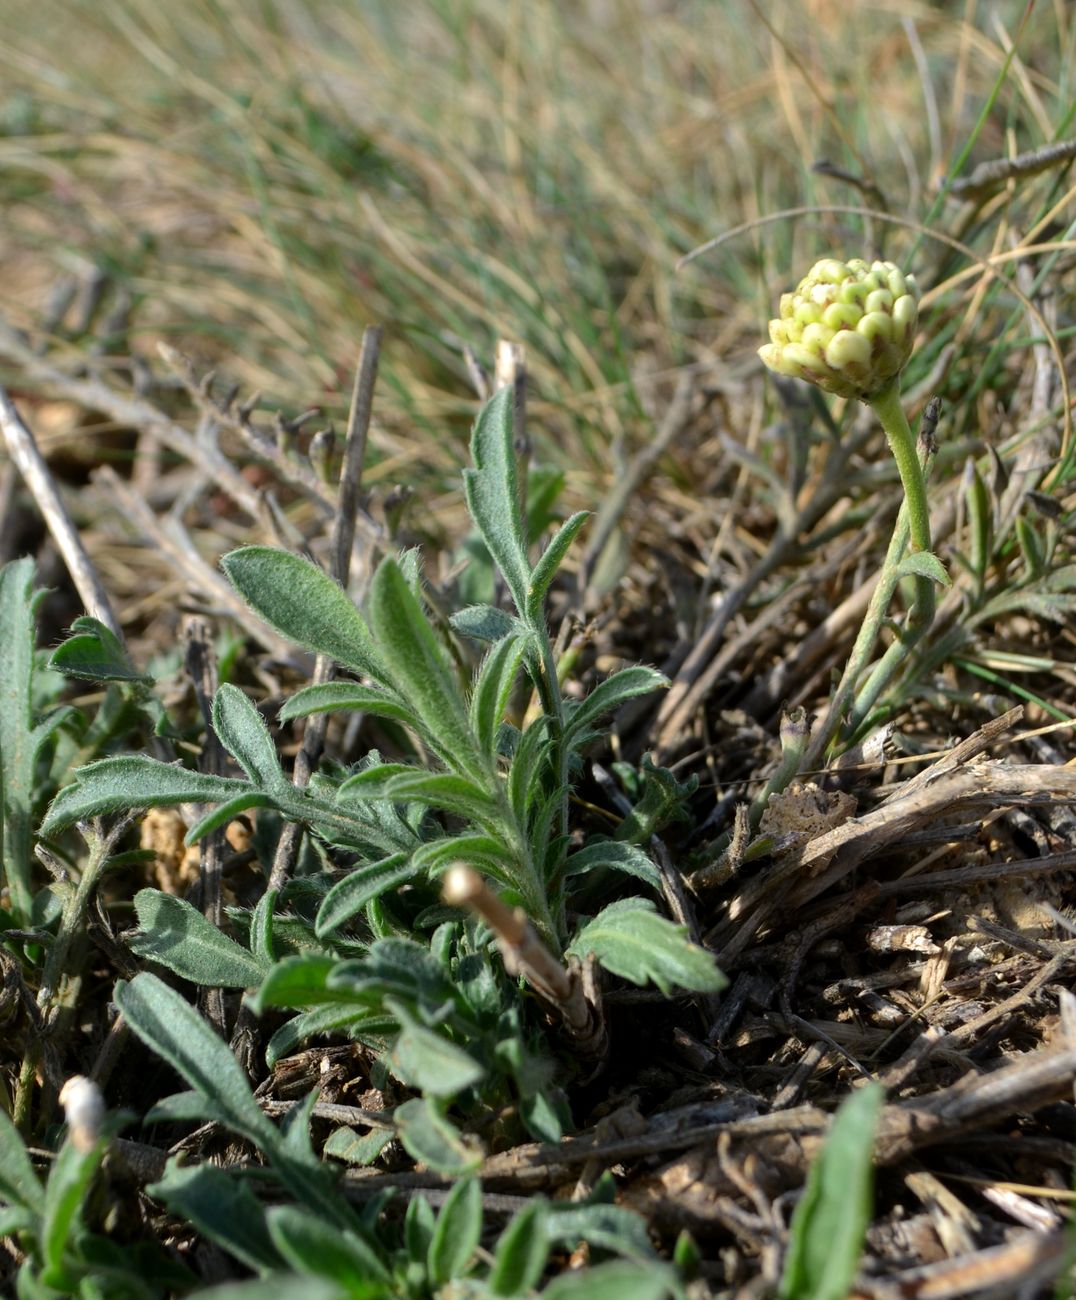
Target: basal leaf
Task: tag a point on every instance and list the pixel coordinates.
(304, 604)
(427, 1060)
(492, 489)
(630, 939)
(830, 1222)
(245, 736)
(616, 1280)
(114, 785)
(19, 739)
(552, 558)
(628, 858)
(222, 1208)
(65, 1194)
(606, 1227)
(178, 936)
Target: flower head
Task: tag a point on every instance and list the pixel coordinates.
(847, 327)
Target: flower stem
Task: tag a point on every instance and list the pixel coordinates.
(913, 523)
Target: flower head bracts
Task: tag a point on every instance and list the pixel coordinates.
(847, 327)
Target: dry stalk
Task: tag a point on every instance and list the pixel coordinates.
(525, 954)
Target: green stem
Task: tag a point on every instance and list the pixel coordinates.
(890, 412)
(913, 524)
(55, 973)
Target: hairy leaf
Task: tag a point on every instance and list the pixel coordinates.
(492, 489)
(430, 1138)
(245, 736)
(484, 623)
(19, 1185)
(552, 558)
(421, 666)
(831, 1219)
(493, 688)
(611, 694)
(457, 1232)
(322, 1250)
(349, 896)
(114, 785)
(222, 1208)
(181, 938)
(327, 697)
(175, 1031)
(304, 604)
(616, 1280)
(630, 939)
(521, 1253)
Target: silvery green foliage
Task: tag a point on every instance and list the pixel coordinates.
(371, 952)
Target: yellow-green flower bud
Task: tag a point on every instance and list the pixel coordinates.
(848, 327)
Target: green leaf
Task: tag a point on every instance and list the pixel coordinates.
(429, 1062)
(181, 938)
(521, 1253)
(401, 784)
(432, 1140)
(418, 1228)
(628, 858)
(607, 1227)
(552, 557)
(286, 1286)
(227, 812)
(220, 1206)
(174, 1030)
(114, 785)
(261, 929)
(304, 604)
(456, 1235)
(329, 697)
(65, 1193)
(349, 896)
(421, 667)
(484, 623)
(630, 939)
(924, 564)
(320, 1249)
(20, 741)
(611, 694)
(616, 1280)
(94, 654)
(830, 1222)
(1031, 546)
(297, 982)
(492, 489)
(19, 1185)
(356, 1148)
(493, 688)
(366, 1025)
(245, 736)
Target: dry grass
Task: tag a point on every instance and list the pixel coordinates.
(261, 180)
